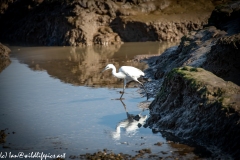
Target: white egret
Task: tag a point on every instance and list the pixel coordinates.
(128, 73)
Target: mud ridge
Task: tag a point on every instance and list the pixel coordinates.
(99, 22)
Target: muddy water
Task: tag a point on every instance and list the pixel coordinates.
(55, 100)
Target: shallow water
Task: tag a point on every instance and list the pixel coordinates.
(55, 100)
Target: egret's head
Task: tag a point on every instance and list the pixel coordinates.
(109, 66)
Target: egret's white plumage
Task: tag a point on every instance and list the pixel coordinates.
(128, 73)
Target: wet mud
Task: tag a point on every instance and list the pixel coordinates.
(144, 153)
(3, 136)
(4, 133)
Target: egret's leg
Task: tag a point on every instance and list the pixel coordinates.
(143, 88)
(124, 85)
(145, 91)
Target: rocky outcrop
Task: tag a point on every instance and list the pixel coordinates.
(76, 23)
(195, 104)
(4, 57)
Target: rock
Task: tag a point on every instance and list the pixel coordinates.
(155, 30)
(106, 36)
(226, 17)
(224, 57)
(158, 144)
(192, 51)
(195, 104)
(160, 20)
(208, 48)
(4, 57)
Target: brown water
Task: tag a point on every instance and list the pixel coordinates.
(81, 66)
(55, 100)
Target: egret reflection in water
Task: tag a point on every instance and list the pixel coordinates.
(130, 125)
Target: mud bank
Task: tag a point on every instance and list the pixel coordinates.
(197, 105)
(76, 23)
(4, 57)
(196, 86)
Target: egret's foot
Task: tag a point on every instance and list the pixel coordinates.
(147, 97)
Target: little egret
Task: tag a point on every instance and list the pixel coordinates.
(128, 73)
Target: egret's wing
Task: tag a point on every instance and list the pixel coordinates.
(131, 71)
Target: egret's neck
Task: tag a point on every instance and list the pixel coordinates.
(114, 70)
(118, 75)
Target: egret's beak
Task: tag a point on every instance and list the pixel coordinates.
(103, 70)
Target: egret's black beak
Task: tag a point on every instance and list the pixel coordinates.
(106, 68)
(103, 70)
